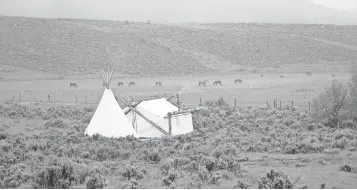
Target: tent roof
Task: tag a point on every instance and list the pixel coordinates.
(157, 107)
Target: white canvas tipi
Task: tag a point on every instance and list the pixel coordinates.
(109, 119)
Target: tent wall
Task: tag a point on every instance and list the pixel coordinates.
(143, 128)
(181, 124)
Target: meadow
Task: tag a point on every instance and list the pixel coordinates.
(253, 91)
(247, 145)
(230, 148)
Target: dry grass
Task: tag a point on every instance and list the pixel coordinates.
(236, 147)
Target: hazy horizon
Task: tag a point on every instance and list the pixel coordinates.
(184, 11)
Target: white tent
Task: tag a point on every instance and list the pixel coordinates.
(109, 119)
(155, 118)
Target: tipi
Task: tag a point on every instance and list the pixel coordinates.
(109, 119)
(158, 117)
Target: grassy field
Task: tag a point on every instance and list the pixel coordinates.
(42, 119)
(235, 148)
(253, 91)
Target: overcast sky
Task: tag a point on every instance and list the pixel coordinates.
(276, 11)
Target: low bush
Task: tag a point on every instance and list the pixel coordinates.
(134, 172)
(241, 185)
(58, 175)
(275, 180)
(96, 181)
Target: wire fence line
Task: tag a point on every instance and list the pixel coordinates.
(85, 99)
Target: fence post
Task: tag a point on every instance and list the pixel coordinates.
(19, 97)
(292, 105)
(86, 98)
(275, 103)
(268, 104)
(200, 101)
(49, 98)
(235, 102)
(169, 115)
(280, 104)
(13, 98)
(178, 101)
(75, 97)
(309, 106)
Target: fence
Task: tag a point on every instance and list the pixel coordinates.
(187, 102)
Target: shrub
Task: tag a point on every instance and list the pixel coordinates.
(216, 177)
(133, 185)
(345, 168)
(96, 181)
(152, 156)
(170, 178)
(323, 186)
(275, 180)
(83, 171)
(3, 135)
(330, 103)
(241, 185)
(133, 172)
(57, 175)
(352, 95)
(55, 123)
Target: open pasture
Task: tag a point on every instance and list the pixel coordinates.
(253, 91)
(242, 151)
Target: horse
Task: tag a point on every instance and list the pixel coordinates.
(309, 74)
(131, 83)
(158, 84)
(283, 76)
(217, 82)
(238, 80)
(203, 83)
(74, 85)
(333, 75)
(120, 84)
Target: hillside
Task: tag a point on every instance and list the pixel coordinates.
(80, 47)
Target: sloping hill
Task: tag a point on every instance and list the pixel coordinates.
(79, 47)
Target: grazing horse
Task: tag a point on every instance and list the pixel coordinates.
(158, 84)
(120, 84)
(217, 82)
(131, 83)
(238, 80)
(283, 76)
(203, 83)
(309, 74)
(333, 75)
(74, 85)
